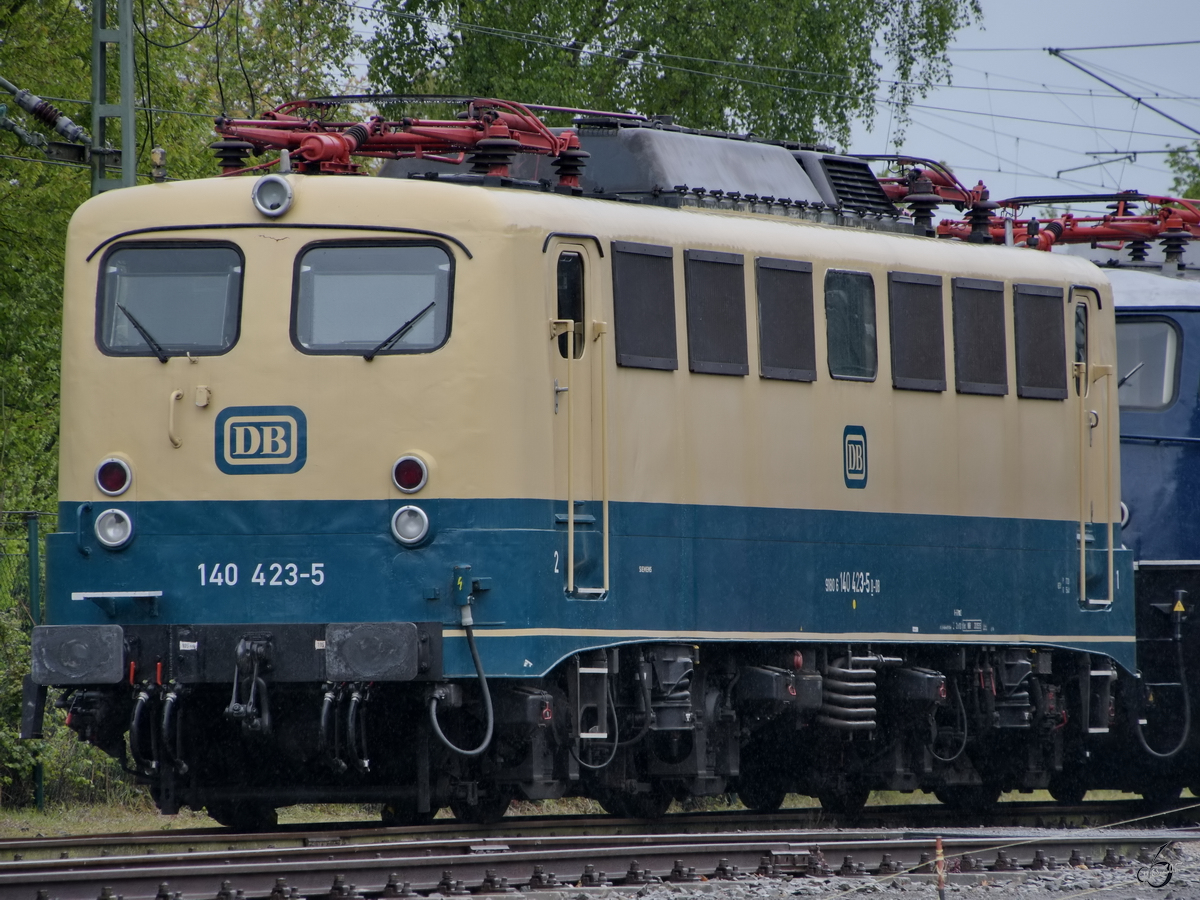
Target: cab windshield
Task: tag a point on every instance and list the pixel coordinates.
(169, 299)
(1147, 357)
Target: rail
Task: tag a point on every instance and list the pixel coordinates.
(500, 863)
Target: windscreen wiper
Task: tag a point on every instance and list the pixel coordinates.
(1131, 373)
(398, 333)
(146, 336)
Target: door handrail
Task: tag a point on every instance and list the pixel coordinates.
(599, 330)
(556, 328)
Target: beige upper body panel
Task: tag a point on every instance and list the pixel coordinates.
(481, 408)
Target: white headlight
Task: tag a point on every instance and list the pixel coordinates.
(113, 528)
(410, 525)
(272, 195)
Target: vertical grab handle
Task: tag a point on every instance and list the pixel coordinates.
(1098, 372)
(79, 514)
(1084, 430)
(557, 327)
(601, 329)
(176, 396)
(570, 463)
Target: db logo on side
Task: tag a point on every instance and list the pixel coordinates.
(261, 440)
(854, 456)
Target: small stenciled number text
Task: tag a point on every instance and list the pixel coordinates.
(852, 583)
(266, 574)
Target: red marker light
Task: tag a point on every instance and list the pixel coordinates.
(113, 476)
(410, 474)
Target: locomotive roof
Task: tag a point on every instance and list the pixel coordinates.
(660, 163)
(1149, 290)
(467, 212)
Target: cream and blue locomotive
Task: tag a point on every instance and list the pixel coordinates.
(691, 473)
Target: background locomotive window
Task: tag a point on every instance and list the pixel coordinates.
(716, 313)
(850, 325)
(980, 347)
(352, 297)
(1041, 342)
(1148, 363)
(186, 297)
(918, 333)
(786, 341)
(570, 300)
(644, 305)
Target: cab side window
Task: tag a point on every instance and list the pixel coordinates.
(570, 300)
(850, 325)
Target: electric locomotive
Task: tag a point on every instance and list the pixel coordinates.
(635, 463)
(1157, 308)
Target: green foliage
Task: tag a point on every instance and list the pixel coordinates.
(192, 61)
(800, 69)
(1185, 163)
(191, 57)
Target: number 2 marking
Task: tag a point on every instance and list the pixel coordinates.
(555, 562)
(278, 570)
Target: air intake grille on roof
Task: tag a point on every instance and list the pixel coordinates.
(856, 186)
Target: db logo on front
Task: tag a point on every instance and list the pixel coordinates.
(854, 456)
(261, 440)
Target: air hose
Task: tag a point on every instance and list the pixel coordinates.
(487, 705)
(1187, 713)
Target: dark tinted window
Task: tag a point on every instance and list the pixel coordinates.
(918, 335)
(980, 351)
(787, 344)
(570, 300)
(372, 298)
(169, 298)
(716, 313)
(1041, 342)
(644, 305)
(850, 324)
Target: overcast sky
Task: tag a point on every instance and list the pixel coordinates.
(1015, 116)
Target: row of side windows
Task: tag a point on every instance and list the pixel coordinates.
(644, 314)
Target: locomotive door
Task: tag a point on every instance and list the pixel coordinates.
(1095, 393)
(577, 349)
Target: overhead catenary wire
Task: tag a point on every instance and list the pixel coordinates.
(1061, 55)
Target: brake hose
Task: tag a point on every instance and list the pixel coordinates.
(1187, 714)
(487, 705)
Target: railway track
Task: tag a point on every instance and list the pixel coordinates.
(932, 815)
(337, 864)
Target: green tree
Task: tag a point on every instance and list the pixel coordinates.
(193, 60)
(1185, 163)
(801, 69)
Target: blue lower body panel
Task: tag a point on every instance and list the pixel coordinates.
(678, 573)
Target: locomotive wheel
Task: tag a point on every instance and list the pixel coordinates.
(404, 812)
(1067, 790)
(761, 795)
(613, 803)
(243, 815)
(968, 797)
(1161, 795)
(651, 804)
(488, 811)
(844, 800)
